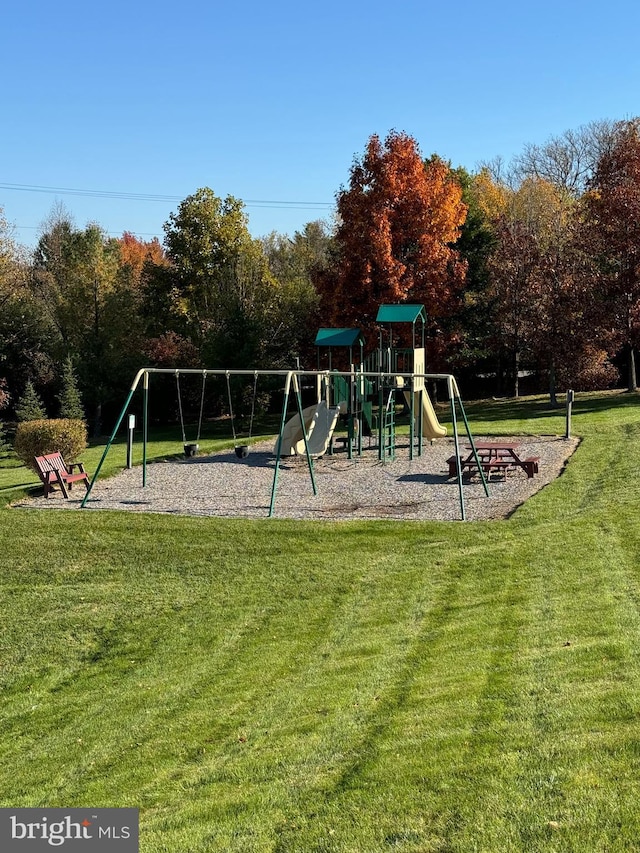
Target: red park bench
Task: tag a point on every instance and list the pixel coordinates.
(52, 469)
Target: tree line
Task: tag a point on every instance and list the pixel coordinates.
(530, 270)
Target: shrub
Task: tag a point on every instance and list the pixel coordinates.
(34, 438)
(30, 407)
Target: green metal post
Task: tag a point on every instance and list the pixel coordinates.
(423, 391)
(412, 413)
(453, 392)
(283, 419)
(287, 386)
(457, 452)
(145, 426)
(296, 389)
(381, 419)
(471, 441)
(111, 439)
(351, 415)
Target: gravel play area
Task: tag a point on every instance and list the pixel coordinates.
(360, 488)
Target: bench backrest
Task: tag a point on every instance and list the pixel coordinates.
(50, 462)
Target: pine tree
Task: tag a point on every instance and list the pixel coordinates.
(70, 399)
(30, 407)
(4, 402)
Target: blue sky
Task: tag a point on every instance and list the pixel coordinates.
(270, 102)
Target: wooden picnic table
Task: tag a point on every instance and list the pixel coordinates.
(499, 455)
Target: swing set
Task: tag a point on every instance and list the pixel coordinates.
(241, 447)
(192, 448)
(291, 385)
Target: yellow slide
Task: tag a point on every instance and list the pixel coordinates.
(319, 423)
(431, 426)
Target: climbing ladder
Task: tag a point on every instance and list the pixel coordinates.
(387, 443)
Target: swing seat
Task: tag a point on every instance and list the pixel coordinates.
(242, 451)
(191, 449)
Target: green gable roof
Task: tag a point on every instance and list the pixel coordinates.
(400, 313)
(338, 337)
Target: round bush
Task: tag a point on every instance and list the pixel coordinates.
(35, 438)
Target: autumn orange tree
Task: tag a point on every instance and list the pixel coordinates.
(398, 221)
(135, 254)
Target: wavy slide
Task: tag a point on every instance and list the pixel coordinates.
(319, 423)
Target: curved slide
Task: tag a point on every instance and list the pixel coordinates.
(431, 426)
(319, 423)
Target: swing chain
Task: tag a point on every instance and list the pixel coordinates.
(253, 407)
(184, 437)
(253, 403)
(204, 382)
(233, 428)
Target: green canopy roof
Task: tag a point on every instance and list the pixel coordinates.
(338, 337)
(400, 313)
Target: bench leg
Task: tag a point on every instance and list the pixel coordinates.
(453, 468)
(63, 486)
(47, 484)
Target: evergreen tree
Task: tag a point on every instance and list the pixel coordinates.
(4, 402)
(30, 407)
(70, 399)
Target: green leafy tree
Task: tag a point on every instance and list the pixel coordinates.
(24, 328)
(296, 263)
(69, 398)
(473, 323)
(78, 280)
(219, 284)
(30, 406)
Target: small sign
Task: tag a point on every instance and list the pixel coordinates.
(70, 830)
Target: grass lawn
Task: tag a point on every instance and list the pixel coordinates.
(363, 686)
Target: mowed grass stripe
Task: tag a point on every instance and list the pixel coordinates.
(263, 686)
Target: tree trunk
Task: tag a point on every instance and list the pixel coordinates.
(632, 385)
(516, 373)
(97, 425)
(553, 393)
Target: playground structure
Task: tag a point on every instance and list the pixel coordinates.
(348, 395)
(380, 377)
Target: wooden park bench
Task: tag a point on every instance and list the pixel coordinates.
(52, 469)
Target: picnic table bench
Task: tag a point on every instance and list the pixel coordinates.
(53, 470)
(494, 456)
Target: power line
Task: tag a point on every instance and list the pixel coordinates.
(127, 196)
(109, 233)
